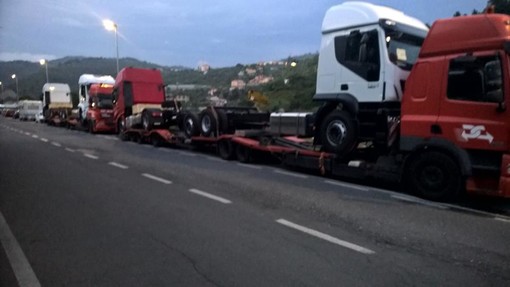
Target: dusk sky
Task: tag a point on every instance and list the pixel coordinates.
(182, 32)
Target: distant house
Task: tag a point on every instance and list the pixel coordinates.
(259, 80)
(237, 84)
(250, 71)
(204, 68)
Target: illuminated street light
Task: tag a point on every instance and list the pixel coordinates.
(109, 25)
(17, 90)
(43, 62)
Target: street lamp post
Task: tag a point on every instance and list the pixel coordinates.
(109, 25)
(2, 87)
(17, 90)
(43, 62)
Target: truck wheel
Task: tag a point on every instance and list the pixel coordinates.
(338, 133)
(156, 140)
(121, 128)
(190, 125)
(223, 122)
(435, 176)
(91, 125)
(243, 154)
(207, 123)
(226, 149)
(147, 121)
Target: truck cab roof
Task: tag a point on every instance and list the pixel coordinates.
(91, 79)
(353, 14)
(466, 34)
(139, 75)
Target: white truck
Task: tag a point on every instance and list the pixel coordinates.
(84, 83)
(366, 54)
(29, 109)
(57, 103)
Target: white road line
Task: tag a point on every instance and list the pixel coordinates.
(187, 153)
(153, 177)
(56, 144)
(507, 220)
(115, 164)
(19, 263)
(326, 237)
(290, 173)
(28, 134)
(211, 196)
(35, 136)
(70, 149)
(90, 156)
(419, 201)
(249, 166)
(353, 186)
(44, 140)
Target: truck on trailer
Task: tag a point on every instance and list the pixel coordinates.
(445, 130)
(99, 115)
(84, 83)
(57, 104)
(28, 109)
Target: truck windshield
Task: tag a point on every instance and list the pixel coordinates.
(104, 101)
(403, 48)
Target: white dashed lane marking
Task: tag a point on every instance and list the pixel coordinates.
(91, 156)
(115, 164)
(156, 178)
(210, 196)
(326, 237)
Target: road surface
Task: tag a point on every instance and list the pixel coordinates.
(90, 210)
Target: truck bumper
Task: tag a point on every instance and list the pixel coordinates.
(105, 125)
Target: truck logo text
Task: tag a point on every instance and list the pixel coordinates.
(470, 132)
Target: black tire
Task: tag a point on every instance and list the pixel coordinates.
(147, 121)
(226, 149)
(139, 139)
(207, 123)
(121, 129)
(243, 154)
(190, 125)
(223, 122)
(156, 140)
(91, 124)
(435, 176)
(338, 133)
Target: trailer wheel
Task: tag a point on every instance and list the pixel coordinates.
(121, 127)
(156, 140)
(223, 122)
(434, 175)
(338, 133)
(226, 149)
(91, 125)
(243, 154)
(207, 123)
(190, 125)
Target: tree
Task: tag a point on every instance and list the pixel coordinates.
(501, 6)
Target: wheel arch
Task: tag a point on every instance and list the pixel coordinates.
(415, 146)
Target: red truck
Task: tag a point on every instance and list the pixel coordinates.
(99, 116)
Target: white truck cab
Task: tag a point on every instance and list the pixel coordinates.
(84, 83)
(366, 54)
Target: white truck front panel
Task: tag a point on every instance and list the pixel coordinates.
(58, 95)
(84, 83)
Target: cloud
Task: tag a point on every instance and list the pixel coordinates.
(7, 56)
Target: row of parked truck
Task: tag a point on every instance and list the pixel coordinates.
(424, 107)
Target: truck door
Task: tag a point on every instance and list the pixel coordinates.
(128, 98)
(359, 53)
(472, 113)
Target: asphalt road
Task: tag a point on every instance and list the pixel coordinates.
(89, 210)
